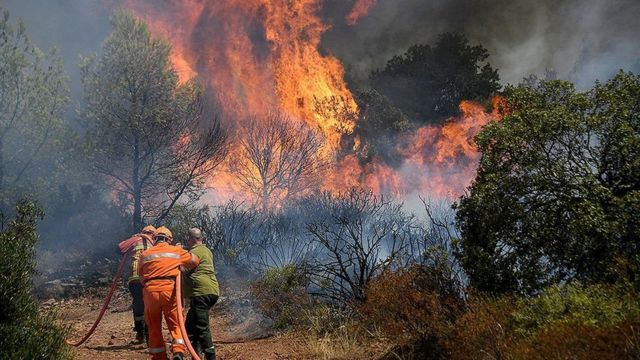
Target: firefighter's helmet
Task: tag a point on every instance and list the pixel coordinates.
(163, 234)
(149, 230)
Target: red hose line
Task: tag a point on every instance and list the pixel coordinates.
(194, 355)
(114, 284)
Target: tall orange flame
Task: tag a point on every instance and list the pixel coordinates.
(437, 160)
(261, 56)
(257, 56)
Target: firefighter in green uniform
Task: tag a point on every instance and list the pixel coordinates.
(201, 287)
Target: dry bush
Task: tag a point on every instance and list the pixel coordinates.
(563, 322)
(348, 341)
(577, 340)
(485, 331)
(415, 309)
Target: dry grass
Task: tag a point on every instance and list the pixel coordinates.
(349, 341)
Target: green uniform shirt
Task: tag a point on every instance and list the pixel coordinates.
(202, 280)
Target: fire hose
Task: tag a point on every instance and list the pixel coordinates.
(107, 300)
(178, 293)
(105, 305)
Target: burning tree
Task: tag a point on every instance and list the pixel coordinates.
(144, 128)
(279, 159)
(428, 82)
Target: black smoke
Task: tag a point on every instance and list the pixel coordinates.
(581, 40)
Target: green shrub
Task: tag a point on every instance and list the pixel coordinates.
(590, 305)
(568, 321)
(282, 296)
(25, 332)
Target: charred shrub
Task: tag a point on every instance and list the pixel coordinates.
(282, 296)
(25, 332)
(359, 235)
(416, 308)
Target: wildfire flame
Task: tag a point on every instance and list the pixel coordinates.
(437, 160)
(360, 9)
(261, 56)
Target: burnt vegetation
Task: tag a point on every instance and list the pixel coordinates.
(537, 260)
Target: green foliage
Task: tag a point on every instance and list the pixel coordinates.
(282, 296)
(145, 133)
(34, 140)
(377, 128)
(573, 303)
(25, 332)
(558, 189)
(569, 321)
(428, 82)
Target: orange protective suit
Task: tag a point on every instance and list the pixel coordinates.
(159, 267)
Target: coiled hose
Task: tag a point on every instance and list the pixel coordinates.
(105, 305)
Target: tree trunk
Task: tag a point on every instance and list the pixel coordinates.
(137, 188)
(1, 164)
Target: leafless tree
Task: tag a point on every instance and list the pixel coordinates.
(435, 248)
(231, 230)
(283, 240)
(361, 234)
(279, 159)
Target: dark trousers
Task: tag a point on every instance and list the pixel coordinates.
(137, 305)
(197, 322)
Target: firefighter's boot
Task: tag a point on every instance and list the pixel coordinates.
(178, 356)
(210, 353)
(141, 331)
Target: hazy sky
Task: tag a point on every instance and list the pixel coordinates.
(582, 40)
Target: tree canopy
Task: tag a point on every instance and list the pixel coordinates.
(557, 194)
(146, 131)
(428, 82)
(33, 97)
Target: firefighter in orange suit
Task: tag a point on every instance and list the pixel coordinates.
(137, 244)
(159, 267)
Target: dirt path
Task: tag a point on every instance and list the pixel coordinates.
(112, 339)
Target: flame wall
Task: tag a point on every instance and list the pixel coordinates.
(260, 56)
